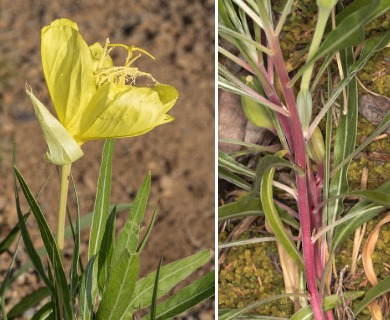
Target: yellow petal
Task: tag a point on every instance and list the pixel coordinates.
(63, 149)
(126, 111)
(68, 69)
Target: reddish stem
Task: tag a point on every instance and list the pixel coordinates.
(303, 194)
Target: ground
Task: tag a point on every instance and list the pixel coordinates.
(180, 35)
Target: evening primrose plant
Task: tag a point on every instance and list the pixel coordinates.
(94, 99)
(286, 97)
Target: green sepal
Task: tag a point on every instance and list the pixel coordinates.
(63, 149)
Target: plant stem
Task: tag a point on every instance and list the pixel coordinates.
(323, 16)
(303, 192)
(65, 173)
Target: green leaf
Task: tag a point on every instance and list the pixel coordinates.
(272, 161)
(244, 206)
(62, 288)
(11, 236)
(5, 283)
(170, 275)
(76, 259)
(106, 251)
(227, 162)
(85, 222)
(234, 314)
(366, 211)
(272, 215)
(148, 231)
(186, 298)
(349, 32)
(345, 140)
(128, 238)
(153, 304)
(27, 302)
(44, 313)
(101, 208)
(86, 299)
(329, 303)
(120, 287)
(227, 175)
(381, 288)
(32, 253)
(372, 46)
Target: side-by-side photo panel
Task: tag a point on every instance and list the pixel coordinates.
(107, 143)
(303, 160)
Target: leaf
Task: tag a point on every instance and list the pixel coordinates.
(148, 232)
(170, 275)
(120, 287)
(186, 298)
(244, 206)
(27, 302)
(227, 175)
(272, 215)
(368, 250)
(227, 162)
(85, 222)
(128, 238)
(381, 288)
(101, 208)
(11, 236)
(344, 142)
(366, 211)
(348, 33)
(273, 161)
(86, 299)
(44, 313)
(5, 283)
(373, 45)
(153, 304)
(106, 251)
(329, 303)
(76, 259)
(235, 314)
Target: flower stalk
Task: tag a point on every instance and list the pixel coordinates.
(65, 176)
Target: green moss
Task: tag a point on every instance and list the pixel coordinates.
(249, 274)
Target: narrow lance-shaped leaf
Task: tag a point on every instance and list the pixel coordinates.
(50, 244)
(345, 140)
(274, 220)
(120, 287)
(101, 208)
(106, 251)
(170, 275)
(186, 298)
(128, 238)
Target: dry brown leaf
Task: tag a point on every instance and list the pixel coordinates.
(368, 249)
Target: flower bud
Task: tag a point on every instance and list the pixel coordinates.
(315, 147)
(254, 111)
(304, 107)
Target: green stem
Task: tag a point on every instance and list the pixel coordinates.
(323, 15)
(65, 173)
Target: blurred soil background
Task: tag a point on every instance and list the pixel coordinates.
(180, 35)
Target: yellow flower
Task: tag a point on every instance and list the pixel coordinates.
(93, 98)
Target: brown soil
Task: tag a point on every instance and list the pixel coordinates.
(180, 34)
